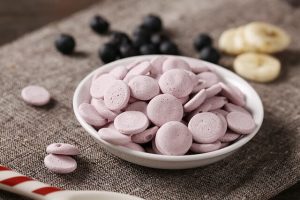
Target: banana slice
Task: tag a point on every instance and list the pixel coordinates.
(266, 38)
(241, 44)
(257, 67)
(227, 42)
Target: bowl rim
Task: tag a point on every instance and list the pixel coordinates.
(231, 148)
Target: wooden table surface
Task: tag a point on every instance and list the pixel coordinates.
(18, 17)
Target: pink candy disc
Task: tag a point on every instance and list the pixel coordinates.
(206, 127)
(138, 106)
(140, 69)
(193, 77)
(224, 144)
(164, 108)
(35, 95)
(134, 146)
(196, 101)
(213, 90)
(90, 115)
(133, 64)
(157, 63)
(173, 138)
(204, 148)
(176, 82)
(231, 108)
(212, 103)
(240, 122)
(229, 137)
(220, 111)
(103, 110)
(62, 149)
(100, 85)
(199, 68)
(232, 95)
(183, 100)
(119, 72)
(60, 164)
(175, 63)
(131, 122)
(145, 136)
(143, 87)
(206, 79)
(113, 136)
(117, 95)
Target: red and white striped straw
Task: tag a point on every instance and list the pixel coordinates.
(16, 182)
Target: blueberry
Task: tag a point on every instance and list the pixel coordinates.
(168, 47)
(127, 50)
(139, 40)
(118, 38)
(65, 44)
(153, 23)
(99, 24)
(157, 39)
(108, 53)
(147, 49)
(210, 54)
(201, 41)
(142, 32)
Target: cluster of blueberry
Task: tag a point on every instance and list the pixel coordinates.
(147, 38)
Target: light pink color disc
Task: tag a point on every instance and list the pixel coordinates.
(240, 122)
(204, 148)
(62, 149)
(35, 95)
(138, 106)
(195, 101)
(145, 136)
(60, 164)
(100, 85)
(90, 115)
(119, 72)
(157, 63)
(175, 63)
(134, 146)
(143, 87)
(117, 95)
(103, 110)
(113, 136)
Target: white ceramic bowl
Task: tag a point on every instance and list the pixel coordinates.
(253, 103)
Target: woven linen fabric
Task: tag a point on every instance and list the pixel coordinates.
(261, 169)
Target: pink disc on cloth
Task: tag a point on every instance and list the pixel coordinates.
(143, 87)
(164, 108)
(195, 101)
(119, 72)
(173, 138)
(62, 149)
(131, 122)
(157, 63)
(35, 95)
(206, 127)
(176, 82)
(113, 136)
(204, 148)
(60, 164)
(90, 115)
(240, 122)
(175, 63)
(145, 136)
(117, 95)
(100, 85)
(101, 108)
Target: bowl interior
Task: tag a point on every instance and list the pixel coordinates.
(253, 103)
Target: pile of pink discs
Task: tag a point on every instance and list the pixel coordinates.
(166, 106)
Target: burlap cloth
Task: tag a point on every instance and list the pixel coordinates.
(267, 165)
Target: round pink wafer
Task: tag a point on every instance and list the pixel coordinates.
(206, 79)
(220, 111)
(145, 136)
(231, 108)
(196, 101)
(134, 146)
(240, 122)
(206, 127)
(213, 90)
(199, 68)
(113, 136)
(164, 108)
(173, 138)
(35, 95)
(204, 148)
(119, 72)
(232, 95)
(229, 137)
(103, 110)
(62, 149)
(100, 85)
(212, 103)
(141, 68)
(117, 95)
(224, 122)
(175, 63)
(138, 106)
(131, 122)
(90, 115)
(193, 77)
(60, 164)
(157, 63)
(143, 87)
(133, 64)
(176, 82)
